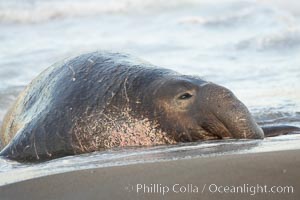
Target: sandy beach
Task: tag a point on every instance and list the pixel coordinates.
(198, 178)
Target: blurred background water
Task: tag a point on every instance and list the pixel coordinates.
(251, 47)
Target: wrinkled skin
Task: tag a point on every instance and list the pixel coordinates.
(101, 100)
(203, 110)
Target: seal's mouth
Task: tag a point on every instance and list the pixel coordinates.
(202, 134)
(242, 129)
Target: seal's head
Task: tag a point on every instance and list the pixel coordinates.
(191, 109)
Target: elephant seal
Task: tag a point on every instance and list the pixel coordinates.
(102, 100)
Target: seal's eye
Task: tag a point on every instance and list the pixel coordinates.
(185, 96)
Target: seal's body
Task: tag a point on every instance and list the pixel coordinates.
(102, 100)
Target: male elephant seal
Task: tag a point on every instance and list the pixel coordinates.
(101, 100)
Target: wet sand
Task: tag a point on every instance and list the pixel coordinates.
(252, 172)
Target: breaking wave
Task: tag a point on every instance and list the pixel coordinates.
(233, 17)
(283, 40)
(34, 11)
(272, 116)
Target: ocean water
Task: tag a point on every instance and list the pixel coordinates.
(251, 47)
